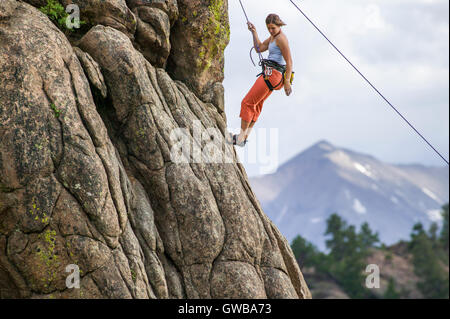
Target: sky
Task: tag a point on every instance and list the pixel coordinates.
(401, 46)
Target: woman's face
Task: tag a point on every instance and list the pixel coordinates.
(273, 29)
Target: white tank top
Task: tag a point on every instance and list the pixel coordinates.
(275, 53)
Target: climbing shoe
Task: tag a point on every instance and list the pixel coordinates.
(233, 139)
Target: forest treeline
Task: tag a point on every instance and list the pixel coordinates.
(348, 249)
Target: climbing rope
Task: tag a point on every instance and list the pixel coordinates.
(359, 72)
(257, 47)
(387, 101)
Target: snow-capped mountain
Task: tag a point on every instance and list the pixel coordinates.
(326, 179)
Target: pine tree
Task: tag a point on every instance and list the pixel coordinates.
(348, 250)
(336, 228)
(368, 239)
(305, 252)
(427, 266)
(433, 235)
(444, 231)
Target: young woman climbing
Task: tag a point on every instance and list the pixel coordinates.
(277, 72)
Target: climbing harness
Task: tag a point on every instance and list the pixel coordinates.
(267, 68)
(357, 70)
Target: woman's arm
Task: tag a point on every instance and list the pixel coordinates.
(263, 46)
(283, 44)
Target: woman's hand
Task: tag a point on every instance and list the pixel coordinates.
(287, 88)
(251, 27)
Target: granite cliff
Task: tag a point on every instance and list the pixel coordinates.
(87, 175)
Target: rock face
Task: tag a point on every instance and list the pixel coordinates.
(199, 38)
(155, 19)
(113, 13)
(88, 175)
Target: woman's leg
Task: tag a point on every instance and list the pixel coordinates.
(251, 107)
(259, 110)
(245, 126)
(249, 130)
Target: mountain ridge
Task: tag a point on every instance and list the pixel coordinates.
(324, 179)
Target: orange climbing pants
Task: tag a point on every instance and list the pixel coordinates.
(252, 104)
